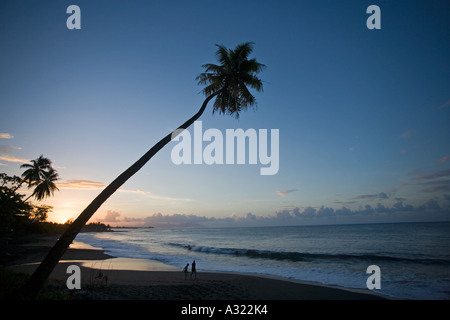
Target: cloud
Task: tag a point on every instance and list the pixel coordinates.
(170, 220)
(380, 195)
(445, 105)
(434, 175)
(5, 136)
(343, 203)
(444, 159)
(13, 159)
(436, 186)
(285, 192)
(153, 196)
(6, 154)
(81, 185)
(399, 211)
(111, 216)
(95, 185)
(438, 181)
(8, 150)
(407, 134)
(298, 215)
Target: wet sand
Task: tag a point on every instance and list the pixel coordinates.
(107, 278)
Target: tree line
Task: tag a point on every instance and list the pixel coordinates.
(19, 215)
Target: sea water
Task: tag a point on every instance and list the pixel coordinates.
(414, 258)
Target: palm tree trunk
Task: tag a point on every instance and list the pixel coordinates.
(28, 197)
(38, 278)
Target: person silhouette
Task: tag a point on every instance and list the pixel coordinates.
(185, 270)
(193, 270)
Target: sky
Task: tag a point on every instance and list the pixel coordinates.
(362, 114)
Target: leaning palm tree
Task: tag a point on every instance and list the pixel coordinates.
(228, 82)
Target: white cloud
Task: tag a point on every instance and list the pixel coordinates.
(111, 216)
(5, 136)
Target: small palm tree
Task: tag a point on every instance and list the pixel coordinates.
(38, 173)
(35, 170)
(46, 186)
(227, 82)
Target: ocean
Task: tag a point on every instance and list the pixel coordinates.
(414, 258)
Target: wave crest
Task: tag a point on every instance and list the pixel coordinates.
(302, 256)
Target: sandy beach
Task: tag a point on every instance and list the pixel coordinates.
(107, 278)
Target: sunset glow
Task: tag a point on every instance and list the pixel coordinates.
(361, 113)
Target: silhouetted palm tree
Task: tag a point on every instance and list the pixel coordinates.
(227, 82)
(231, 78)
(36, 172)
(46, 186)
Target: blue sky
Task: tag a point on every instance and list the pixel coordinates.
(362, 114)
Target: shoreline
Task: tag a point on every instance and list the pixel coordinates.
(107, 277)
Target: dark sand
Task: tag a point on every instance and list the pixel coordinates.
(104, 277)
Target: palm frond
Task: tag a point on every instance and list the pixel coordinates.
(47, 186)
(223, 55)
(231, 78)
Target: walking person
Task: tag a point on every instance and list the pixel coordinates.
(185, 270)
(193, 270)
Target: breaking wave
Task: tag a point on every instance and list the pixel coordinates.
(302, 256)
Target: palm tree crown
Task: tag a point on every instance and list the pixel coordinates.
(230, 79)
(42, 176)
(35, 170)
(47, 186)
